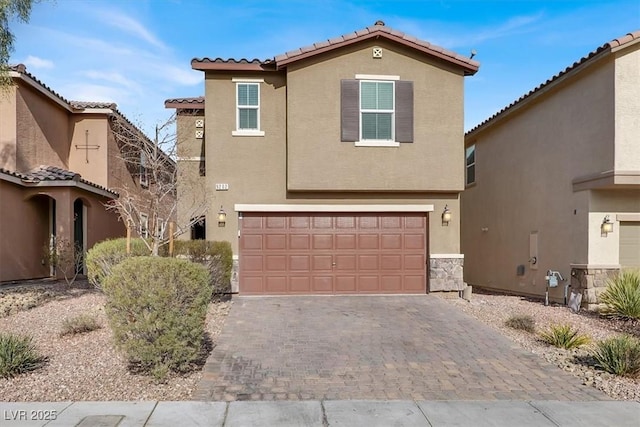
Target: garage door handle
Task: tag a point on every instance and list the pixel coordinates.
(333, 264)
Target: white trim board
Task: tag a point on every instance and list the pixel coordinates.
(445, 256)
(331, 208)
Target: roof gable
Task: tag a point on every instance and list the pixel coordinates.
(379, 30)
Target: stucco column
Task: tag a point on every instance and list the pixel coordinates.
(64, 218)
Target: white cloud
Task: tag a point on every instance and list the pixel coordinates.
(131, 26)
(182, 75)
(93, 93)
(35, 62)
(113, 77)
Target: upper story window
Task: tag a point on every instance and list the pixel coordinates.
(247, 107)
(470, 165)
(376, 110)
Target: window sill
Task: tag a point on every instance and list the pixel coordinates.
(377, 144)
(247, 133)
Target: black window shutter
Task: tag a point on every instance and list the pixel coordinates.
(404, 111)
(350, 110)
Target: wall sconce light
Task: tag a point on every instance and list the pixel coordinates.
(222, 217)
(607, 226)
(446, 216)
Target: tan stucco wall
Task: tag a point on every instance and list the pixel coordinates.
(627, 110)
(43, 131)
(95, 170)
(190, 186)
(8, 136)
(525, 165)
(318, 160)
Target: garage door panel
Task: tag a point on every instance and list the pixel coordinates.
(276, 263)
(322, 284)
(345, 284)
(329, 253)
(276, 284)
(299, 262)
(275, 241)
(322, 241)
(322, 262)
(299, 241)
(369, 241)
(300, 284)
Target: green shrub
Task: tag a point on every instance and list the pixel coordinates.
(18, 355)
(619, 355)
(79, 325)
(521, 322)
(622, 295)
(564, 336)
(157, 308)
(104, 256)
(217, 257)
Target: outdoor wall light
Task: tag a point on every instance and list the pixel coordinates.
(446, 216)
(222, 217)
(607, 226)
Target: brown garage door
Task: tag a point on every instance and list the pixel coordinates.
(333, 253)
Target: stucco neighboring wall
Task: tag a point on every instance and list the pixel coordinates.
(525, 165)
(318, 160)
(95, 169)
(43, 131)
(627, 110)
(8, 137)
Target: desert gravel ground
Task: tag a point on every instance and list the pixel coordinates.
(494, 309)
(87, 367)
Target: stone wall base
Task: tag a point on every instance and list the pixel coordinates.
(445, 274)
(591, 282)
(235, 287)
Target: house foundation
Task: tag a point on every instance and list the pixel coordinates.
(591, 283)
(445, 273)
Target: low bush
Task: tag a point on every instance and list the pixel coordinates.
(18, 355)
(217, 257)
(622, 295)
(564, 336)
(104, 256)
(157, 308)
(619, 355)
(521, 322)
(79, 325)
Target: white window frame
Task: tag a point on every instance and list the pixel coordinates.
(144, 178)
(247, 132)
(144, 225)
(160, 228)
(377, 142)
(467, 166)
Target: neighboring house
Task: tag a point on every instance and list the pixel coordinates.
(553, 181)
(332, 168)
(60, 163)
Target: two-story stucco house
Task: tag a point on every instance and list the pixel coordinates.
(335, 168)
(61, 162)
(553, 181)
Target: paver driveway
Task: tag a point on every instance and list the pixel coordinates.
(372, 347)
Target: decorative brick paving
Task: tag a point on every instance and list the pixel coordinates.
(372, 347)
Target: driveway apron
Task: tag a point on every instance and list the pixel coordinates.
(373, 347)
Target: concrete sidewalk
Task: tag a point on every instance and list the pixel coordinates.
(369, 413)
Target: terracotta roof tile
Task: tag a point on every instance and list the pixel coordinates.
(22, 69)
(185, 103)
(607, 47)
(81, 105)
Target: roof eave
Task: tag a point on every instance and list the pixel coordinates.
(202, 65)
(184, 105)
(37, 86)
(470, 68)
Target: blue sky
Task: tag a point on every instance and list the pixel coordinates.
(137, 53)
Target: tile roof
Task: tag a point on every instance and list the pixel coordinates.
(377, 30)
(52, 174)
(81, 105)
(197, 102)
(22, 69)
(602, 50)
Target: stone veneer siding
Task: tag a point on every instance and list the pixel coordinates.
(445, 274)
(591, 282)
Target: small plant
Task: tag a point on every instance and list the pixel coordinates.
(104, 256)
(564, 336)
(521, 322)
(619, 355)
(79, 325)
(157, 308)
(66, 257)
(18, 355)
(622, 295)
